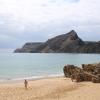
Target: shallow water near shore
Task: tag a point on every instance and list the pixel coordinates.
(18, 66)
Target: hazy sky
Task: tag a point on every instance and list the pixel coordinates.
(37, 20)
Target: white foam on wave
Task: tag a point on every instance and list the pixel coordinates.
(32, 77)
(39, 77)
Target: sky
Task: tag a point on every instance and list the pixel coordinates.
(38, 20)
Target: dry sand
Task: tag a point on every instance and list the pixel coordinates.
(58, 88)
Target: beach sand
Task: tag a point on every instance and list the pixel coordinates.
(58, 88)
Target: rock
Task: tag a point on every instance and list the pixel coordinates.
(88, 72)
(92, 68)
(71, 70)
(78, 77)
(95, 80)
(81, 76)
(68, 70)
(88, 67)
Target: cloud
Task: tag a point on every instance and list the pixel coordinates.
(36, 20)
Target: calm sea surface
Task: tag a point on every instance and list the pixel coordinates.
(16, 66)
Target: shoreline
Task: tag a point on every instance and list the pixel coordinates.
(32, 78)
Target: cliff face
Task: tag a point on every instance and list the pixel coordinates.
(65, 43)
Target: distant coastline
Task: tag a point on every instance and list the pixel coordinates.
(65, 43)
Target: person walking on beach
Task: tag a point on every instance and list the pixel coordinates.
(26, 84)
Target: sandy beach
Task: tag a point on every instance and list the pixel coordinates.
(58, 88)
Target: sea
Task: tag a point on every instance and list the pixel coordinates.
(19, 66)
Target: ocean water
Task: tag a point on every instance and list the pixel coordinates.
(17, 66)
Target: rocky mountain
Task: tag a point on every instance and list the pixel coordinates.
(65, 43)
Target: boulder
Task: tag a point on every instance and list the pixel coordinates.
(95, 80)
(70, 70)
(88, 67)
(92, 68)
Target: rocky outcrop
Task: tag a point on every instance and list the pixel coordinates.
(70, 70)
(92, 68)
(65, 43)
(88, 72)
